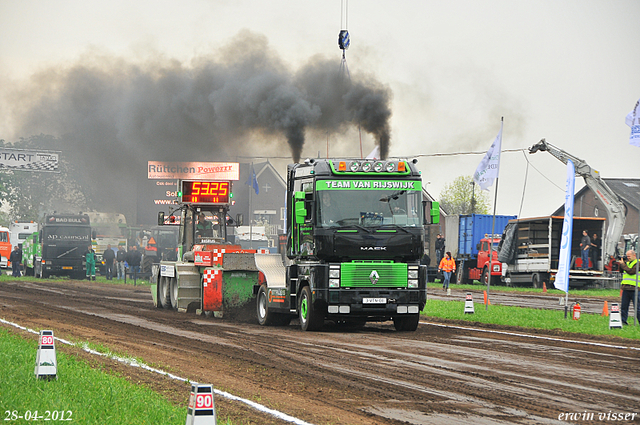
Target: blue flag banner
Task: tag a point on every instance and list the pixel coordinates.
(562, 277)
(633, 121)
(253, 180)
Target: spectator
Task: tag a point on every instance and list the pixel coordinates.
(585, 243)
(628, 286)
(447, 266)
(426, 261)
(439, 248)
(90, 262)
(109, 258)
(133, 258)
(16, 259)
(121, 257)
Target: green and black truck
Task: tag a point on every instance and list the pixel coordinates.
(355, 236)
(58, 247)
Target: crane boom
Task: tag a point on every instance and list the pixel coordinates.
(614, 207)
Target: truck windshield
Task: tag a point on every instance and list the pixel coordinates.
(107, 230)
(205, 226)
(166, 237)
(369, 208)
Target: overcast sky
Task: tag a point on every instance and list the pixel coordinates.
(567, 71)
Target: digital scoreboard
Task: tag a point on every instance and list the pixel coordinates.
(205, 192)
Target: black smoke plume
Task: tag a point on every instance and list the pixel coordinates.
(112, 115)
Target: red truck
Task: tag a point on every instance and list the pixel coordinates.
(468, 238)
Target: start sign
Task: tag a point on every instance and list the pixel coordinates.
(29, 160)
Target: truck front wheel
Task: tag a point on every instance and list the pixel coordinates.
(310, 319)
(406, 323)
(485, 276)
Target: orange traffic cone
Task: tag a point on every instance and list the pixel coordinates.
(605, 310)
(544, 286)
(486, 298)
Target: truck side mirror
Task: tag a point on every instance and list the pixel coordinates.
(300, 210)
(239, 219)
(160, 218)
(93, 234)
(433, 212)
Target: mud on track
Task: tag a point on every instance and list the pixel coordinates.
(375, 375)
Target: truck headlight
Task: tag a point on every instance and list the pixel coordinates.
(413, 283)
(412, 274)
(334, 283)
(496, 267)
(334, 273)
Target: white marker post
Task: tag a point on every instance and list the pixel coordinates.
(615, 320)
(468, 304)
(46, 363)
(202, 409)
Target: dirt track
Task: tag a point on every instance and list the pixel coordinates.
(436, 375)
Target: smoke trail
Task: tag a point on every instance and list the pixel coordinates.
(212, 103)
(112, 115)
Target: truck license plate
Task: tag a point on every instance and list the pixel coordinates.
(374, 301)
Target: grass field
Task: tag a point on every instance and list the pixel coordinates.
(83, 394)
(590, 324)
(604, 293)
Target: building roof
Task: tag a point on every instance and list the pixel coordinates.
(263, 166)
(627, 189)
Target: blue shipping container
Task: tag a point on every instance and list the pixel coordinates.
(474, 227)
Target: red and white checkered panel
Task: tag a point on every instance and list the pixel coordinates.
(208, 276)
(218, 253)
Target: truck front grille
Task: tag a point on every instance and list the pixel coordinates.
(363, 273)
